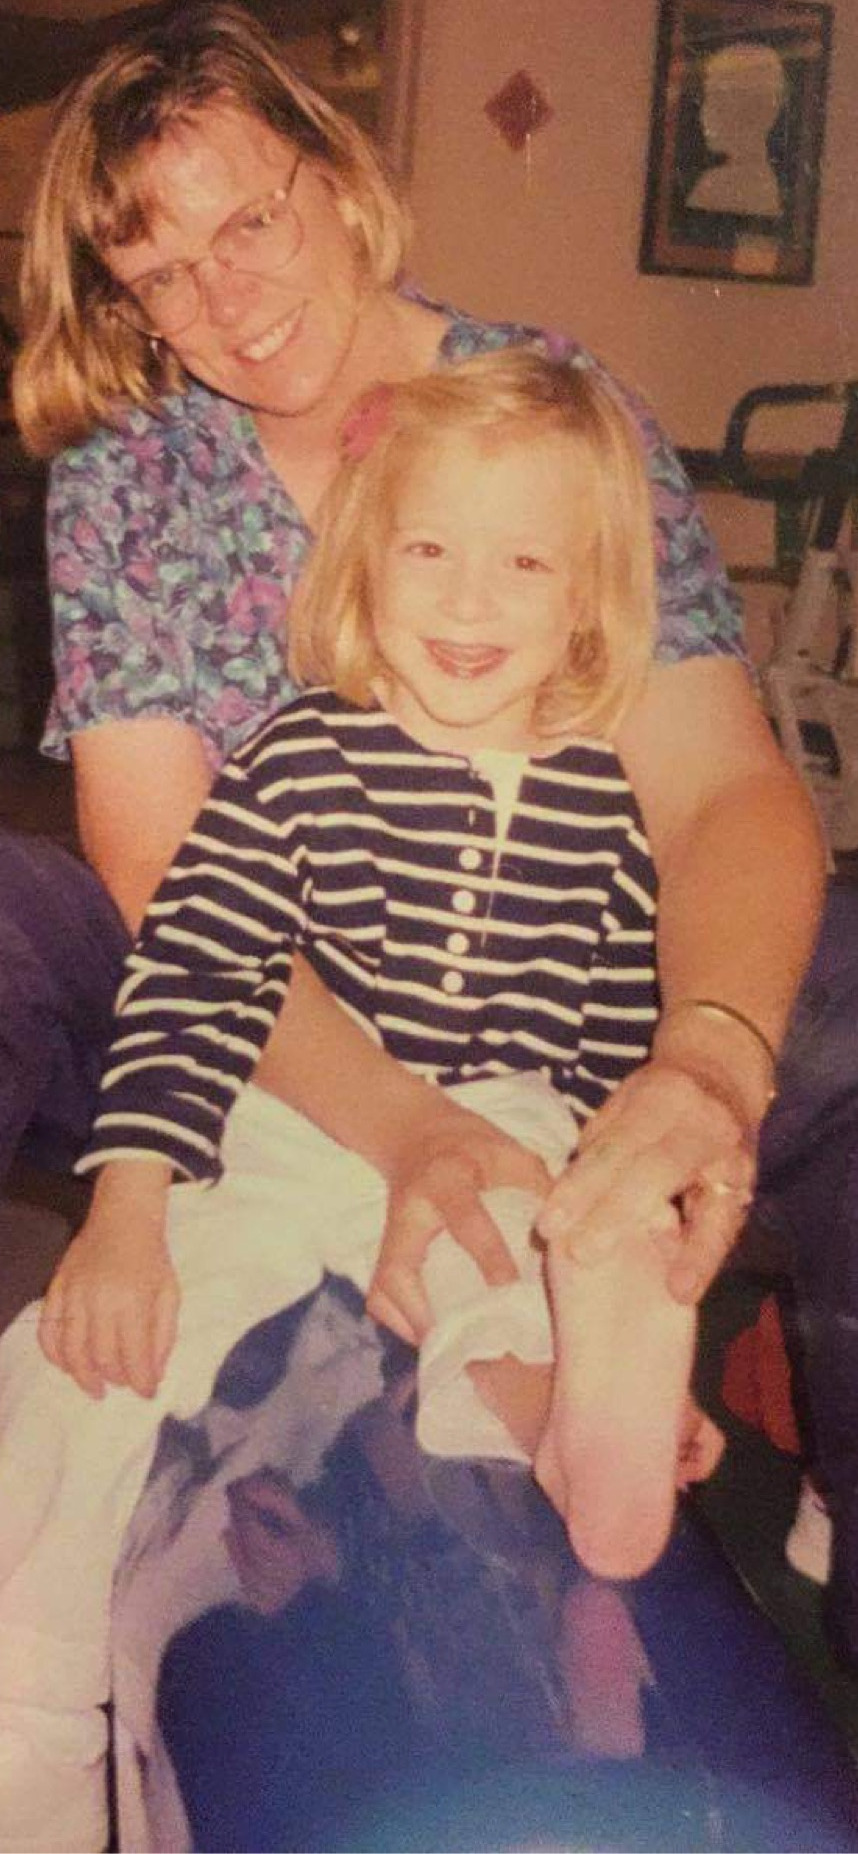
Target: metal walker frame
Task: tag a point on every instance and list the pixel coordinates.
(809, 682)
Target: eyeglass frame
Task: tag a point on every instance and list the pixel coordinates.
(124, 302)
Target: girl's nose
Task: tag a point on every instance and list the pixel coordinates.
(468, 594)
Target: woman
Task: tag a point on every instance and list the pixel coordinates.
(210, 280)
(208, 230)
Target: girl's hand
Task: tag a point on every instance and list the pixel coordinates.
(110, 1313)
(662, 1138)
(437, 1185)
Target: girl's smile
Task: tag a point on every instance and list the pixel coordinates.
(464, 661)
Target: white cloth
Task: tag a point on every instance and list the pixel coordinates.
(291, 1204)
(504, 768)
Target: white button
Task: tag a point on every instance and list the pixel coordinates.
(457, 942)
(470, 859)
(463, 901)
(452, 981)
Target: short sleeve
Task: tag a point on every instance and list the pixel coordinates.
(172, 555)
(117, 570)
(700, 614)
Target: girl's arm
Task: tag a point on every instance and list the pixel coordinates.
(110, 1313)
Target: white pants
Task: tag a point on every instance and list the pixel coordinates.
(291, 1204)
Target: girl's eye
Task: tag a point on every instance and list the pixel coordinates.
(528, 563)
(424, 550)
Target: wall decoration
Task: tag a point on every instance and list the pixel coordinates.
(518, 110)
(736, 139)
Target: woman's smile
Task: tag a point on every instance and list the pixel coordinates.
(274, 339)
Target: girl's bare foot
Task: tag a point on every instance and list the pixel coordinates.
(609, 1453)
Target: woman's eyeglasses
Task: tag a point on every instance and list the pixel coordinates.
(261, 239)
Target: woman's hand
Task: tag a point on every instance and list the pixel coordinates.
(437, 1184)
(663, 1138)
(110, 1313)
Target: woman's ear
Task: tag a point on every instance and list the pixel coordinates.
(349, 212)
(353, 222)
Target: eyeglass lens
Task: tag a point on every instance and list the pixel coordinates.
(262, 239)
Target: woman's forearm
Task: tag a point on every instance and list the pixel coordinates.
(740, 896)
(740, 866)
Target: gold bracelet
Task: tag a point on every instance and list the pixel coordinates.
(711, 1008)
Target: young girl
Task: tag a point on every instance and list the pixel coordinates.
(471, 877)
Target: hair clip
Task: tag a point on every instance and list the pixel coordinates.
(368, 418)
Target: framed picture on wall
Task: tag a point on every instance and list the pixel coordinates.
(736, 139)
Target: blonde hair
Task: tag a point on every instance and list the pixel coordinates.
(510, 396)
(79, 363)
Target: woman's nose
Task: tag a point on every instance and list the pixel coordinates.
(226, 292)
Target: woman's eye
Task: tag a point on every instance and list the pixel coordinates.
(257, 219)
(157, 284)
(424, 550)
(529, 563)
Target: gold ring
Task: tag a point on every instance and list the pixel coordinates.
(720, 1188)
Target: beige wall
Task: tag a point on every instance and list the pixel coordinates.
(561, 246)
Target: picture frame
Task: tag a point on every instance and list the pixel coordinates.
(736, 140)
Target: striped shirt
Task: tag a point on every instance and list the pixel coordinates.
(465, 953)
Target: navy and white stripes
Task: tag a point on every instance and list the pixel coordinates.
(333, 832)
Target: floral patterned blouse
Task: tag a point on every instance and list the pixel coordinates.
(174, 550)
